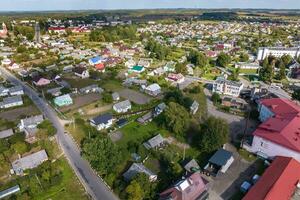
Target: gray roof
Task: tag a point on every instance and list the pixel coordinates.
(15, 89)
(136, 168)
(91, 87)
(102, 119)
(154, 142)
(6, 133)
(145, 118)
(122, 105)
(115, 96)
(13, 99)
(222, 80)
(30, 161)
(221, 157)
(192, 164)
(32, 120)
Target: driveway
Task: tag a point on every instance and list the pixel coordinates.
(236, 123)
(226, 185)
(134, 96)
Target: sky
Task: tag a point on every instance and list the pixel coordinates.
(35, 5)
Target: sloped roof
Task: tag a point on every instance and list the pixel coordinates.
(278, 182)
(136, 168)
(154, 142)
(284, 127)
(190, 188)
(102, 119)
(221, 157)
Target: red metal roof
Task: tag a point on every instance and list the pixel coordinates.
(278, 182)
(284, 127)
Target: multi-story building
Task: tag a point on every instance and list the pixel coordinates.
(226, 87)
(264, 52)
(279, 133)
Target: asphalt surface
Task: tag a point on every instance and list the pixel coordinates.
(93, 184)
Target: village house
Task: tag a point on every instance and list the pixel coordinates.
(39, 81)
(94, 88)
(153, 90)
(115, 96)
(278, 134)
(29, 162)
(6, 133)
(63, 100)
(102, 121)
(176, 78)
(156, 142)
(29, 126)
(16, 90)
(192, 187)
(3, 91)
(192, 166)
(55, 91)
(81, 72)
(219, 162)
(10, 102)
(279, 181)
(96, 60)
(122, 107)
(136, 168)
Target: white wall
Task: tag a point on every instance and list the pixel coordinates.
(272, 149)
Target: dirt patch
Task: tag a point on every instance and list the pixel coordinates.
(101, 109)
(135, 96)
(17, 113)
(80, 101)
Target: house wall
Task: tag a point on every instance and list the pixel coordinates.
(272, 149)
(228, 164)
(102, 126)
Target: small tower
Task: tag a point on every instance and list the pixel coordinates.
(37, 36)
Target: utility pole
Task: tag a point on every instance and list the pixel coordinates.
(246, 127)
(183, 153)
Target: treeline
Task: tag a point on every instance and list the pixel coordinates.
(113, 34)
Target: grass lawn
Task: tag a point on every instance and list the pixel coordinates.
(140, 133)
(80, 83)
(246, 155)
(248, 71)
(112, 85)
(77, 132)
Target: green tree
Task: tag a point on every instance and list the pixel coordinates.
(214, 133)
(47, 127)
(198, 59)
(244, 57)
(148, 188)
(296, 94)
(102, 154)
(266, 71)
(20, 147)
(286, 59)
(107, 97)
(134, 191)
(181, 68)
(281, 74)
(176, 118)
(223, 59)
(216, 99)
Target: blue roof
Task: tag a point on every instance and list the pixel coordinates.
(95, 59)
(102, 119)
(221, 157)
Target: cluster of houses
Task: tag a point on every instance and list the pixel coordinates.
(11, 97)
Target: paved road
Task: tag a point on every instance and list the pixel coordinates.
(94, 186)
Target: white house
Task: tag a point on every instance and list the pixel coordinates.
(226, 87)
(279, 133)
(153, 89)
(122, 107)
(17, 90)
(13, 101)
(81, 72)
(102, 121)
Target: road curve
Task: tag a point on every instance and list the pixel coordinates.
(93, 184)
